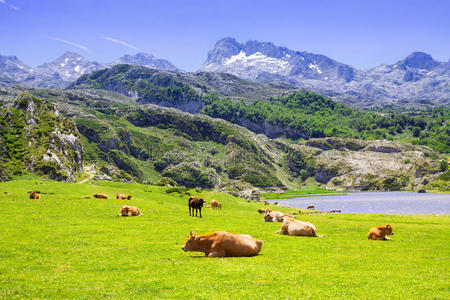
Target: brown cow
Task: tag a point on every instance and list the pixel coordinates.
(197, 204)
(310, 207)
(274, 216)
(123, 197)
(129, 211)
(35, 195)
(263, 210)
(297, 228)
(216, 204)
(221, 244)
(380, 232)
(101, 196)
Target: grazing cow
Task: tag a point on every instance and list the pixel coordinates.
(216, 204)
(274, 216)
(275, 203)
(380, 232)
(310, 207)
(197, 204)
(266, 202)
(129, 211)
(35, 195)
(123, 197)
(221, 244)
(101, 196)
(297, 228)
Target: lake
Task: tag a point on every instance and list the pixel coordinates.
(376, 203)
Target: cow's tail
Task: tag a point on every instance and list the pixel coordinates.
(315, 233)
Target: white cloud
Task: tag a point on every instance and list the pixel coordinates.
(69, 43)
(10, 5)
(120, 42)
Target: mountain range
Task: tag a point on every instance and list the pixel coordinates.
(65, 69)
(414, 81)
(417, 79)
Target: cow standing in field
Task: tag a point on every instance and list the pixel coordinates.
(216, 204)
(123, 197)
(35, 195)
(221, 244)
(129, 211)
(297, 228)
(197, 204)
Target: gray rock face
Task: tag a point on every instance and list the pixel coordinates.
(13, 69)
(146, 60)
(416, 80)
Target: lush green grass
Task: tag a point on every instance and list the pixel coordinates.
(63, 246)
(307, 189)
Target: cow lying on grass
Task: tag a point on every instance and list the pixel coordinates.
(129, 211)
(379, 233)
(123, 197)
(221, 244)
(35, 195)
(274, 216)
(197, 204)
(297, 228)
(216, 204)
(101, 196)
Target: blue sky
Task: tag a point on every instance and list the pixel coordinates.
(361, 33)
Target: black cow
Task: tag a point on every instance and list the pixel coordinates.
(197, 204)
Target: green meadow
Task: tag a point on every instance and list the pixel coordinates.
(64, 246)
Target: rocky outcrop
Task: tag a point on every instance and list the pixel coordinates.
(47, 144)
(349, 164)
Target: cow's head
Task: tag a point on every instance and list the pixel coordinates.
(388, 230)
(194, 243)
(268, 217)
(201, 201)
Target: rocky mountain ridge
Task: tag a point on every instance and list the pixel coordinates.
(65, 69)
(415, 80)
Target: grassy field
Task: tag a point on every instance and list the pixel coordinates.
(63, 246)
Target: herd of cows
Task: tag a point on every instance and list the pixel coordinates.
(221, 244)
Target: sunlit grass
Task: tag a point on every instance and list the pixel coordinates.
(63, 246)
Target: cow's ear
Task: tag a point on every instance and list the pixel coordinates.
(192, 233)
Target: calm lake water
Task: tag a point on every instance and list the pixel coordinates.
(376, 203)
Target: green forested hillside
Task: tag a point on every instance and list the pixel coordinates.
(276, 111)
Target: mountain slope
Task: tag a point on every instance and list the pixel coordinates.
(416, 80)
(34, 137)
(183, 90)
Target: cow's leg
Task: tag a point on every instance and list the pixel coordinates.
(217, 254)
(189, 211)
(200, 209)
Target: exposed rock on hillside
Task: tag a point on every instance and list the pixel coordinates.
(349, 164)
(35, 137)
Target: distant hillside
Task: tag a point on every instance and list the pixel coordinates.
(274, 110)
(416, 80)
(127, 141)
